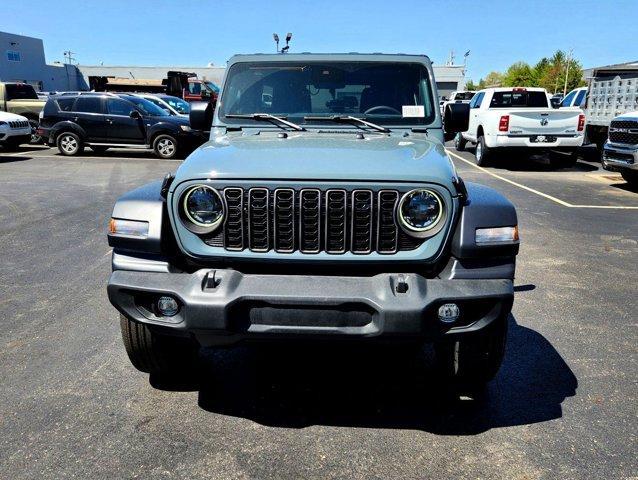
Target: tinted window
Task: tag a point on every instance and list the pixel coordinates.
(195, 88)
(147, 108)
(568, 99)
(580, 98)
(116, 106)
(20, 91)
(66, 104)
(88, 105)
(178, 104)
(464, 95)
(476, 100)
(382, 91)
(519, 99)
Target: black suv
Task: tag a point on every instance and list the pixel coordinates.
(103, 120)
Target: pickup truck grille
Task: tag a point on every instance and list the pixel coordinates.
(624, 131)
(312, 220)
(19, 124)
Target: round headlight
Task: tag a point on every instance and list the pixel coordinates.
(203, 207)
(420, 212)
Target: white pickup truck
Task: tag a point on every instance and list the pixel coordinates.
(522, 118)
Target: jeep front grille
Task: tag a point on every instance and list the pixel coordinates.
(312, 220)
(19, 124)
(624, 131)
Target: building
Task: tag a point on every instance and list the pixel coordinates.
(22, 60)
(449, 78)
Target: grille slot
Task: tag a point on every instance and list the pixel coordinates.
(234, 227)
(361, 225)
(284, 224)
(19, 124)
(258, 216)
(387, 230)
(336, 221)
(309, 221)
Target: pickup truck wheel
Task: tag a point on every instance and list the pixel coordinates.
(459, 142)
(69, 143)
(482, 153)
(471, 360)
(165, 146)
(631, 177)
(150, 352)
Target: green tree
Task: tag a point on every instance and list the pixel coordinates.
(470, 85)
(519, 74)
(493, 79)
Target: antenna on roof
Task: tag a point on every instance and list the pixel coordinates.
(284, 49)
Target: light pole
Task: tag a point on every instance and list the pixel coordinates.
(569, 59)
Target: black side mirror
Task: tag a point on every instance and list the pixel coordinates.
(456, 118)
(555, 102)
(201, 116)
(135, 115)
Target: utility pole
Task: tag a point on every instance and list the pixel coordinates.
(569, 59)
(68, 57)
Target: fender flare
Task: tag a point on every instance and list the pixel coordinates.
(66, 126)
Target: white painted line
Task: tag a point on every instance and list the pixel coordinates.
(536, 192)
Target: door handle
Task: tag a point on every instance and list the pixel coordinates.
(108, 120)
(75, 119)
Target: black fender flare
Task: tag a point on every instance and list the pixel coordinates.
(66, 126)
(162, 128)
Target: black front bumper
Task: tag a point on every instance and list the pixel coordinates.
(234, 306)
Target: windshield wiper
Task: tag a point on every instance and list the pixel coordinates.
(266, 117)
(347, 118)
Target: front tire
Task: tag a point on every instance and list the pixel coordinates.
(472, 360)
(157, 354)
(165, 146)
(630, 176)
(459, 142)
(483, 153)
(69, 144)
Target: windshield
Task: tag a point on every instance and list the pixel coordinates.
(383, 92)
(148, 108)
(20, 91)
(182, 106)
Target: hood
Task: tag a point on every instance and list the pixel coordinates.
(174, 119)
(628, 116)
(320, 156)
(11, 117)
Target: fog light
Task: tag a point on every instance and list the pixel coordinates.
(449, 312)
(167, 306)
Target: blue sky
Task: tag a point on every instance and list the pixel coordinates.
(193, 33)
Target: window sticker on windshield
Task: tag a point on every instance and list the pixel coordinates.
(413, 111)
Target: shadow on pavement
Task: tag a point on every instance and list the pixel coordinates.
(16, 158)
(625, 186)
(380, 387)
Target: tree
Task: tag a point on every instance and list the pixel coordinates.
(470, 85)
(493, 79)
(519, 74)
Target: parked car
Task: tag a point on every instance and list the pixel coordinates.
(575, 98)
(620, 152)
(103, 120)
(173, 105)
(22, 99)
(505, 118)
(298, 220)
(14, 130)
(199, 90)
(458, 97)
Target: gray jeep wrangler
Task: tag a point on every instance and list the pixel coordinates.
(323, 206)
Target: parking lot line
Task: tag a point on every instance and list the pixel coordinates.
(536, 192)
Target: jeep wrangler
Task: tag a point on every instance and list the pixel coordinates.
(323, 206)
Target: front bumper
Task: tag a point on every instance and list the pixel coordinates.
(618, 156)
(234, 306)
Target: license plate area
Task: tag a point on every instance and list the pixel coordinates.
(542, 138)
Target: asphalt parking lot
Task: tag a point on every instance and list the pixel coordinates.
(564, 404)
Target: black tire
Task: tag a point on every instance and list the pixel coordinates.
(563, 159)
(69, 143)
(483, 153)
(631, 177)
(165, 146)
(459, 142)
(472, 360)
(157, 354)
(99, 149)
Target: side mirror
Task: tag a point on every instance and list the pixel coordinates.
(201, 116)
(135, 115)
(205, 93)
(555, 102)
(456, 118)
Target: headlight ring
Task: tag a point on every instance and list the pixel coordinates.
(421, 213)
(202, 209)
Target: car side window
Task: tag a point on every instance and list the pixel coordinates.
(579, 98)
(66, 104)
(88, 105)
(195, 88)
(568, 99)
(476, 101)
(117, 106)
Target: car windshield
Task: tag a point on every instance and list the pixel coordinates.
(464, 95)
(383, 92)
(148, 108)
(182, 106)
